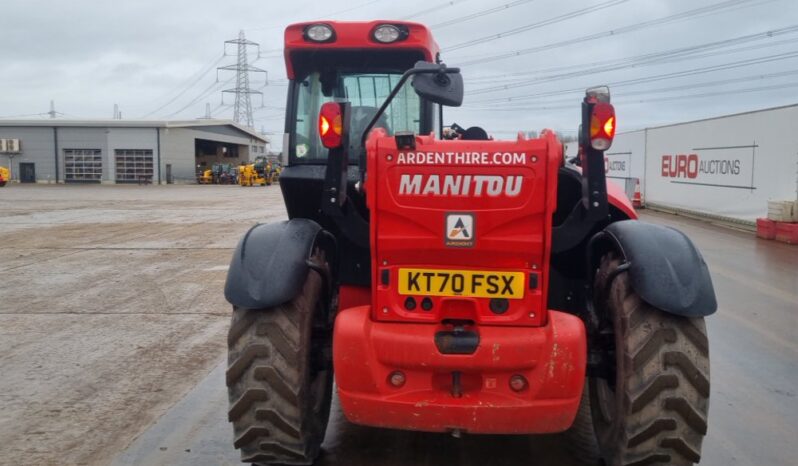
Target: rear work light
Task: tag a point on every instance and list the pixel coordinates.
(602, 118)
(602, 126)
(319, 33)
(389, 33)
(331, 126)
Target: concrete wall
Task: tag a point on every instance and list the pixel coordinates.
(728, 166)
(37, 147)
(177, 149)
(626, 158)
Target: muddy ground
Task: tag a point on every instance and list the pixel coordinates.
(111, 309)
(112, 331)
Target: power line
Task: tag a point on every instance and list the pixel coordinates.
(539, 24)
(190, 83)
(571, 106)
(717, 93)
(479, 14)
(432, 9)
(569, 102)
(658, 77)
(690, 52)
(633, 62)
(690, 14)
(328, 15)
(25, 115)
(206, 92)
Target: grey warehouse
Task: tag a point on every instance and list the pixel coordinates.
(123, 151)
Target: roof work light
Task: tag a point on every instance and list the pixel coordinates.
(389, 33)
(319, 33)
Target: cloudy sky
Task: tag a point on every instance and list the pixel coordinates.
(525, 62)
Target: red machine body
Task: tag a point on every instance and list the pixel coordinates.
(460, 241)
(508, 189)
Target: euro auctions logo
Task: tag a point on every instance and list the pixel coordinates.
(691, 166)
(721, 167)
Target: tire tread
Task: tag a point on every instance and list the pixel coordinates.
(664, 385)
(269, 354)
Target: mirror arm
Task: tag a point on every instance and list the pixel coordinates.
(405, 76)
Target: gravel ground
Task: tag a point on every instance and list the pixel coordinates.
(111, 309)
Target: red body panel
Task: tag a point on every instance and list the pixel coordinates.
(512, 230)
(552, 358)
(353, 296)
(617, 198)
(357, 36)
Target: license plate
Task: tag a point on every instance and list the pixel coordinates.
(467, 283)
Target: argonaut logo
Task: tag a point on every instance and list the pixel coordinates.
(459, 230)
(460, 185)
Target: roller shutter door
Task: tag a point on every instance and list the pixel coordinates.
(133, 165)
(83, 165)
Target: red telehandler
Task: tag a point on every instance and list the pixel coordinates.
(465, 286)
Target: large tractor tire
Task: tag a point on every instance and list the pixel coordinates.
(653, 409)
(279, 378)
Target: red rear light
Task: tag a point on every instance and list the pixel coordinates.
(331, 127)
(602, 126)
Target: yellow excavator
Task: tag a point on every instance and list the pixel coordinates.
(4, 176)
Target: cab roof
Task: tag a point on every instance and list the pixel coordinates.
(356, 36)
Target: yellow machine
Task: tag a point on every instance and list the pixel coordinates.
(4, 176)
(256, 173)
(205, 177)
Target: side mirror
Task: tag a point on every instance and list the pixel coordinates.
(438, 84)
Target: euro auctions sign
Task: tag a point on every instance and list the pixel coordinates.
(722, 167)
(728, 166)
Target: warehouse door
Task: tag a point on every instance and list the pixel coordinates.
(83, 165)
(27, 172)
(134, 165)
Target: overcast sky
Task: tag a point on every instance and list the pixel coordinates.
(157, 58)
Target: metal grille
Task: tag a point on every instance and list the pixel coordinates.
(83, 165)
(133, 165)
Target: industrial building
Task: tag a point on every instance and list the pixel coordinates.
(122, 151)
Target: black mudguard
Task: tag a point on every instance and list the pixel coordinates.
(270, 264)
(665, 268)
